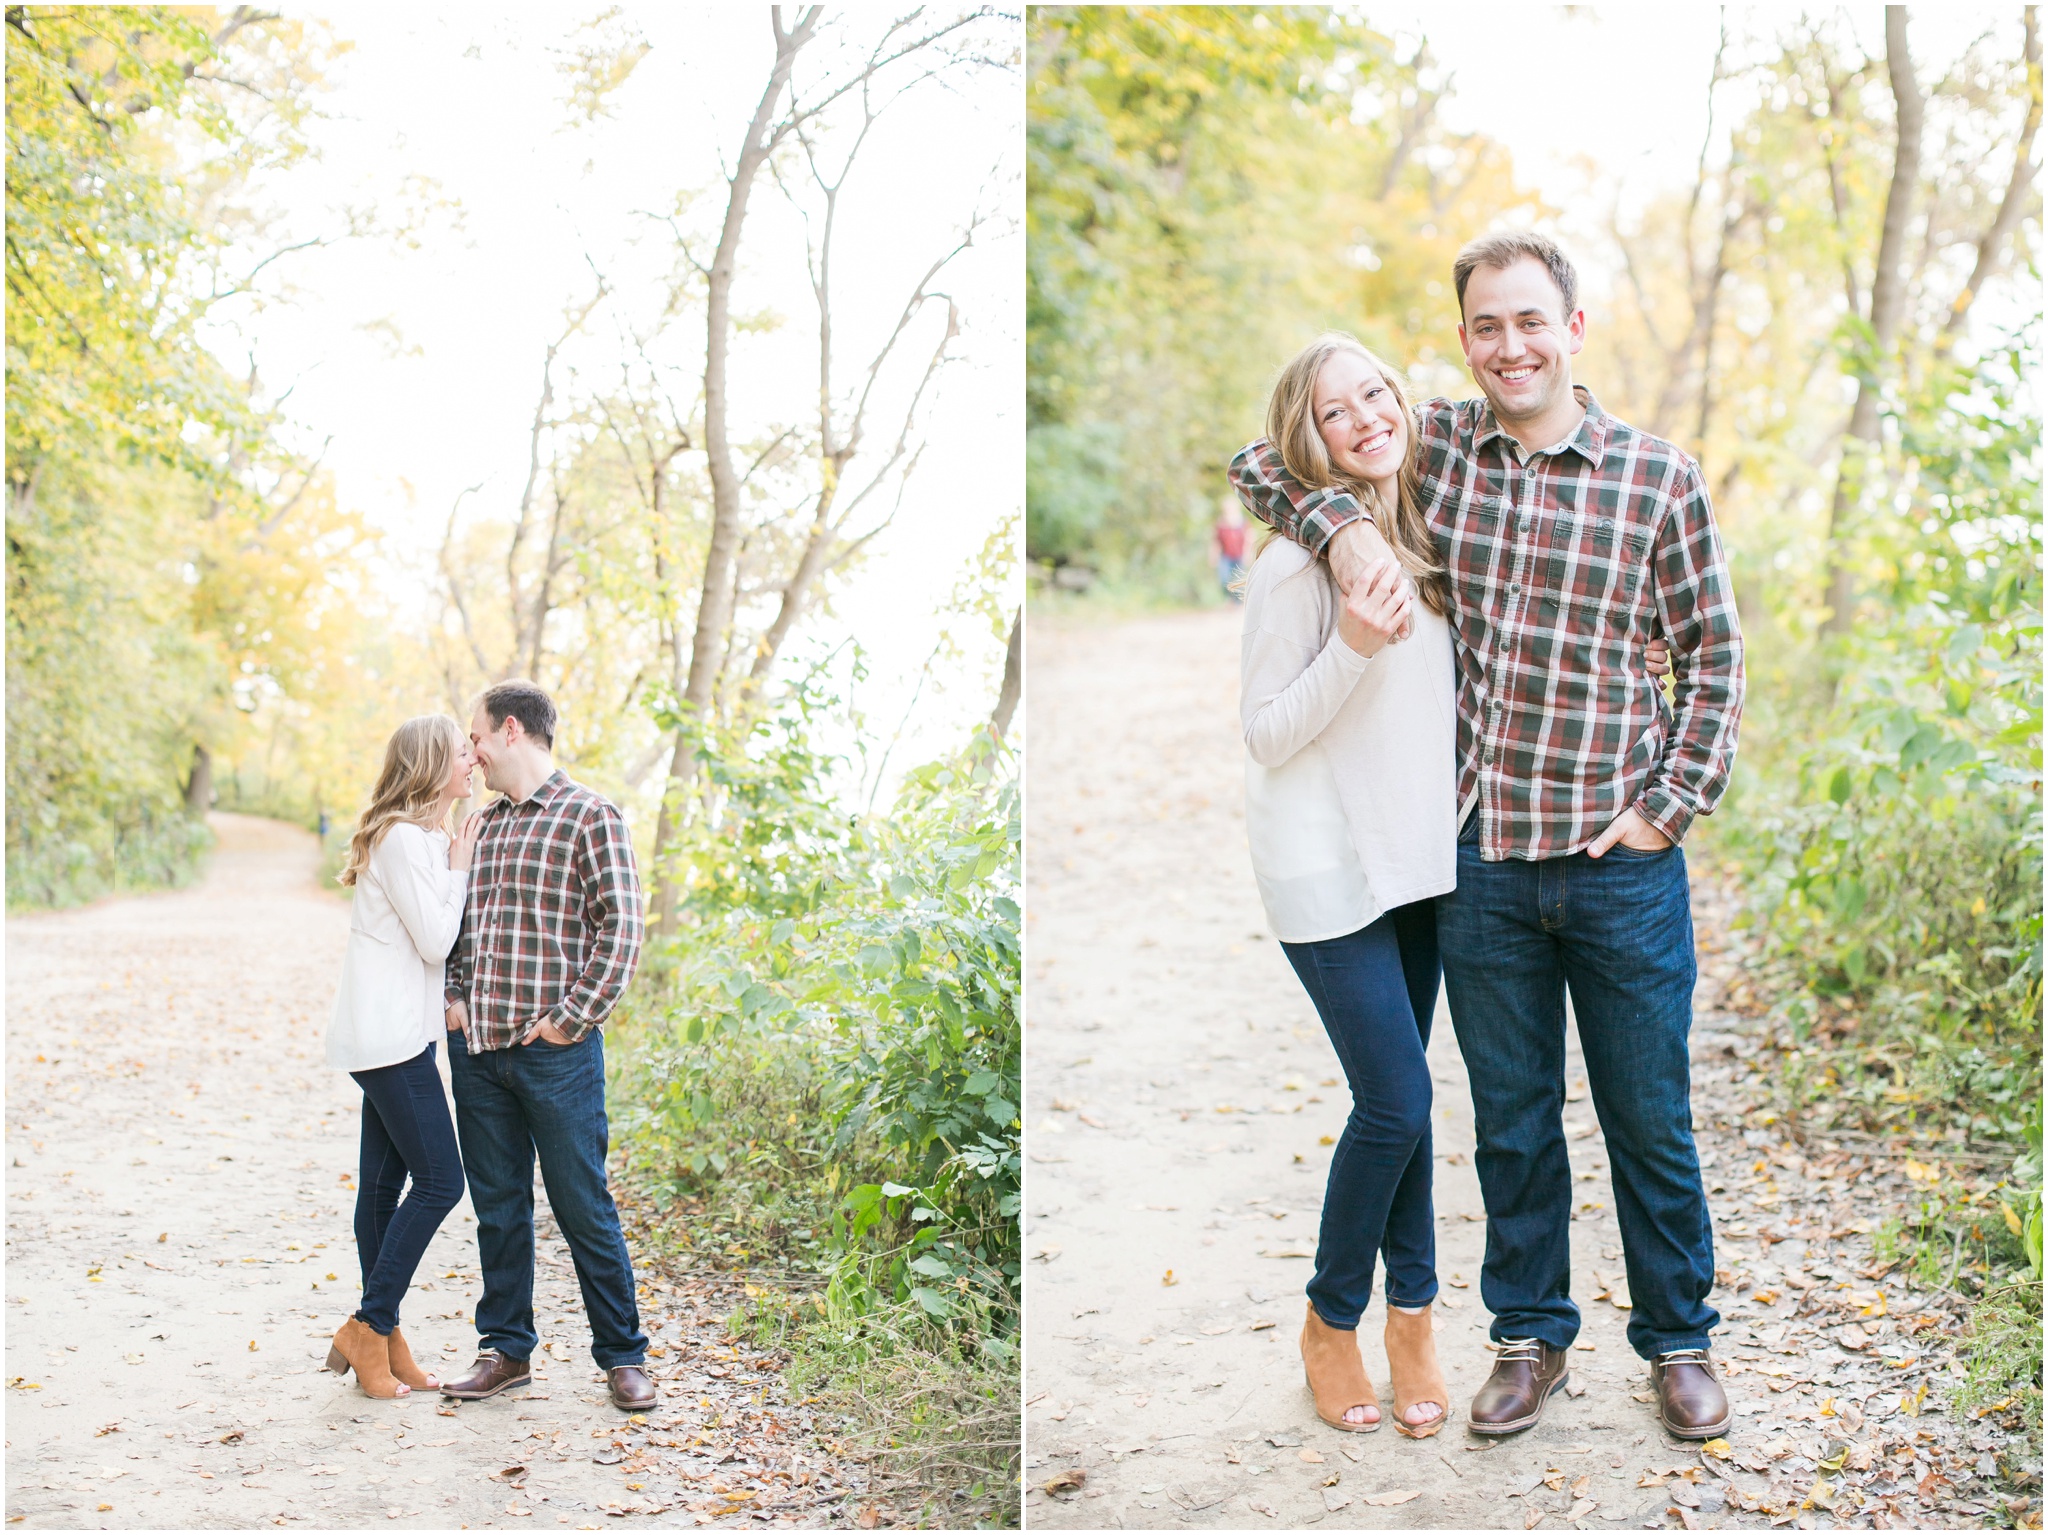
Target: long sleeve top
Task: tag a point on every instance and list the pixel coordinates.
(555, 919)
(1351, 765)
(403, 921)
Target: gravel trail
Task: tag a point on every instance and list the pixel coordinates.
(179, 1252)
(1182, 1099)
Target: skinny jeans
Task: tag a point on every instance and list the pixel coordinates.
(1375, 991)
(406, 1134)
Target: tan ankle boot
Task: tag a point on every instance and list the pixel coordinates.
(358, 1347)
(402, 1364)
(1411, 1361)
(1336, 1375)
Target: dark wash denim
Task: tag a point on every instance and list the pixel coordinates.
(547, 1100)
(406, 1133)
(1616, 930)
(1375, 990)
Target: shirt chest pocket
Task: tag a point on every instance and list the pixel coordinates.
(1477, 543)
(1588, 562)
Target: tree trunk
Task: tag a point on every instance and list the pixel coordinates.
(199, 786)
(714, 604)
(1013, 678)
(1887, 303)
(1991, 249)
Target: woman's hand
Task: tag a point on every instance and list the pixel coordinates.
(1375, 609)
(1657, 658)
(464, 848)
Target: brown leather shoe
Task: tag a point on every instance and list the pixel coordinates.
(1526, 1372)
(493, 1372)
(632, 1387)
(1690, 1401)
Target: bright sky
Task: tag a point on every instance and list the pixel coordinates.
(424, 364)
(1599, 103)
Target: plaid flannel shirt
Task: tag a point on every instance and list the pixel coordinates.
(553, 925)
(1563, 565)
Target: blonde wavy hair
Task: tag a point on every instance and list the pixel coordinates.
(418, 760)
(1291, 427)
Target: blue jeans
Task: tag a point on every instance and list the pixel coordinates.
(1616, 930)
(1375, 990)
(405, 1133)
(544, 1099)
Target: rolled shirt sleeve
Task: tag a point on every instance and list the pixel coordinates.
(1695, 602)
(1277, 498)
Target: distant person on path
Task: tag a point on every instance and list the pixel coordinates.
(548, 943)
(409, 882)
(1568, 540)
(1228, 537)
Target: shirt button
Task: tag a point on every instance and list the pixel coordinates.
(1514, 588)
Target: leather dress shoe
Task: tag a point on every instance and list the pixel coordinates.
(493, 1372)
(1690, 1401)
(1526, 1372)
(632, 1387)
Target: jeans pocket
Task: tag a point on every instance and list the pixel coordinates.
(1629, 854)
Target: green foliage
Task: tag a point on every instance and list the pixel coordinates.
(2002, 1361)
(1891, 849)
(870, 965)
(1209, 187)
(163, 595)
(825, 1074)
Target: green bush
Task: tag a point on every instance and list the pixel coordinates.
(1888, 836)
(824, 1075)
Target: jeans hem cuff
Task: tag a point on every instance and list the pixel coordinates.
(1502, 1334)
(1672, 1345)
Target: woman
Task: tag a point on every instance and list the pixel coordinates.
(410, 883)
(1350, 809)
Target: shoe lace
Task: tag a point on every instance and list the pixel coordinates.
(1683, 1356)
(1512, 1350)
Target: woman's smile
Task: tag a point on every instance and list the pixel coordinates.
(1360, 419)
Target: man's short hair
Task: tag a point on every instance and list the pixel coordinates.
(525, 702)
(1500, 251)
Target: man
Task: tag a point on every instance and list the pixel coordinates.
(1571, 539)
(548, 943)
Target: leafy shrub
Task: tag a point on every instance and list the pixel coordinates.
(1890, 840)
(825, 1069)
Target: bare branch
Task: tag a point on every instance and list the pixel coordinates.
(1991, 248)
(455, 584)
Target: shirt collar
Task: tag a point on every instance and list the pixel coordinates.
(1589, 441)
(555, 783)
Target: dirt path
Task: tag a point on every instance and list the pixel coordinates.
(179, 1251)
(1182, 1099)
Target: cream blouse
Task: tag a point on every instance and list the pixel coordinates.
(1351, 770)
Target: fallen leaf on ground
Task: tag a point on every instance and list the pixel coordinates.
(1066, 1481)
(1389, 1499)
(1313, 1457)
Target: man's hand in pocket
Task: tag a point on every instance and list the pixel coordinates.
(547, 1033)
(1631, 831)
